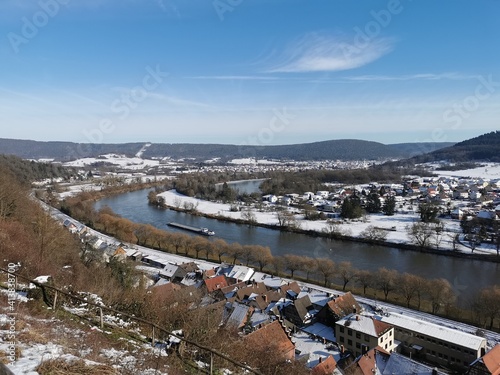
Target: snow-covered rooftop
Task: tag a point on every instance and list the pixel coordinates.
(438, 332)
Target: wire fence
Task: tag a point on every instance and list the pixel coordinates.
(53, 297)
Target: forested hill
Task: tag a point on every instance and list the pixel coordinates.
(63, 151)
(343, 149)
(485, 147)
(28, 171)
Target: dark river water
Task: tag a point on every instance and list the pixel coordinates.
(466, 276)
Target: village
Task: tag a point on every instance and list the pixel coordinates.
(459, 213)
(331, 331)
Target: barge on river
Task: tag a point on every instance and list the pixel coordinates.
(202, 231)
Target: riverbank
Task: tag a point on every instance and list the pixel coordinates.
(394, 226)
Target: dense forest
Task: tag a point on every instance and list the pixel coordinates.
(342, 149)
(485, 147)
(28, 171)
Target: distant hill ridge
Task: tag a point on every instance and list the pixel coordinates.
(485, 147)
(342, 149)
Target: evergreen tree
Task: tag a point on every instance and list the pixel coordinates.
(373, 204)
(351, 208)
(389, 206)
(428, 212)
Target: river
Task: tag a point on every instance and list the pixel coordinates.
(466, 276)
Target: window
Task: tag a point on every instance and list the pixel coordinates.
(358, 345)
(390, 342)
(349, 342)
(342, 339)
(349, 332)
(341, 329)
(358, 335)
(385, 347)
(433, 352)
(367, 338)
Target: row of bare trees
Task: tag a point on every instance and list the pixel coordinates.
(436, 295)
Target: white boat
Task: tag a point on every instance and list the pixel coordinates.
(207, 232)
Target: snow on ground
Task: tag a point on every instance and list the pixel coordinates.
(252, 161)
(396, 225)
(119, 160)
(313, 348)
(487, 171)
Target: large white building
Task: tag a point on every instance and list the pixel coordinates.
(435, 343)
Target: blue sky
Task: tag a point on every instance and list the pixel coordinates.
(249, 71)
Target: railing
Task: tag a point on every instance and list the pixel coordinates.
(155, 328)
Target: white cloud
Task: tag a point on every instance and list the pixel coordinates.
(411, 77)
(320, 53)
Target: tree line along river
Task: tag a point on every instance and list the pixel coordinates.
(465, 275)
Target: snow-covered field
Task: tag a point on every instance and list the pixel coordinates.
(396, 225)
(489, 171)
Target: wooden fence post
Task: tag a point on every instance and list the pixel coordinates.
(54, 304)
(153, 337)
(101, 318)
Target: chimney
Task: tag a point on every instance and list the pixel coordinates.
(357, 318)
(320, 359)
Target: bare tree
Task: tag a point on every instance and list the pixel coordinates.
(248, 216)
(286, 219)
(326, 267)
(438, 234)
(386, 280)
(374, 234)
(262, 256)
(365, 279)
(278, 264)
(333, 229)
(440, 294)
(236, 251)
(220, 248)
(177, 202)
(308, 266)
(489, 302)
(454, 240)
(247, 254)
(198, 244)
(407, 286)
(347, 272)
(420, 234)
(178, 241)
(293, 263)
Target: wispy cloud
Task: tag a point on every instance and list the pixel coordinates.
(179, 102)
(321, 53)
(237, 78)
(412, 77)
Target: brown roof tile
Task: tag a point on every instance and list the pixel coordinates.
(273, 335)
(216, 283)
(326, 366)
(492, 360)
(344, 305)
